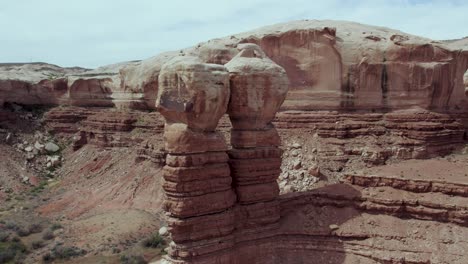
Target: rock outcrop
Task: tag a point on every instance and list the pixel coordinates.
(332, 65)
(192, 98)
(335, 65)
(341, 221)
(46, 84)
(258, 88)
(214, 207)
(348, 95)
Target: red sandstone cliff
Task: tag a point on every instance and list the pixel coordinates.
(332, 65)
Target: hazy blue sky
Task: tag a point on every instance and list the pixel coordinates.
(92, 33)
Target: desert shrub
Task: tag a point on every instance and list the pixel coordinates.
(55, 226)
(11, 225)
(35, 228)
(11, 250)
(7, 255)
(67, 252)
(60, 252)
(124, 259)
(37, 244)
(48, 235)
(47, 257)
(4, 236)
(39, 188)
(22, 232)
(154, 241)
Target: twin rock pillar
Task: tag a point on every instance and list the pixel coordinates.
(258, 88)
(215, 198)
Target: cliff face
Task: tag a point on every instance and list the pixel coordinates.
(336, 65)
(354, 67)
(332, 65)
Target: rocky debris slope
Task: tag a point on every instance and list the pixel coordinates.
(127, 186)
(30, 154)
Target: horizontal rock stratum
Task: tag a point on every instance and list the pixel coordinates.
(332, 65)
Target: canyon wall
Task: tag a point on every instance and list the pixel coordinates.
(332, 65)
(220, 214)
(376, 94)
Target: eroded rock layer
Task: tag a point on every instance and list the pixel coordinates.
(331, 65)
(405, 134)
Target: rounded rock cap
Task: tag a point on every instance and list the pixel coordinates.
(258, 88)
(193, 93)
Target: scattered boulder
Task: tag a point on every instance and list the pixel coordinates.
(28, 149)
(51, 147)
(53, 161)
(288, 189)
(314, 170)
(25, 179)
(301, 175)
(296, 145)
(297, 164)
(40, 147)
(79, 140)
(163, 231)
(30, 156)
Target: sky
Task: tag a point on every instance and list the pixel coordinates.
(93, 33)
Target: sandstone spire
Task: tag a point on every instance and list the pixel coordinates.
(258, 88)
(207, 220)
(192, 98)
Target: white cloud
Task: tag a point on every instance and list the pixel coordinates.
(93, 33)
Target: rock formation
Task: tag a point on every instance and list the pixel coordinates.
(206, 217)
(335, 65)
(332, 65)
(357, 97)
(258, 88)
(192, 98)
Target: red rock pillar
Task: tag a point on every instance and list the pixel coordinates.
(199, 198)
(258, 88)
